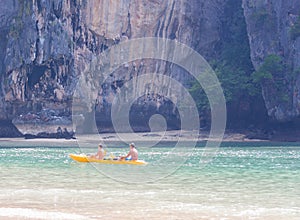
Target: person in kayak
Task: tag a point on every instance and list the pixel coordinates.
(133, 153)
(100, 154)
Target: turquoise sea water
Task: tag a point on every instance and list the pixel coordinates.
(244, 181)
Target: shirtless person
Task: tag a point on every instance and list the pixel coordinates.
(100, 154)
(133, 153)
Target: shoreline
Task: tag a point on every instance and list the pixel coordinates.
(40, 132)
(143, 137)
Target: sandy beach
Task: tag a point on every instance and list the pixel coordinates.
(94, 139)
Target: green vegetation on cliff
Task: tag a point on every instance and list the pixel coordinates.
(233, 65)
(273, 72)
(272, 66)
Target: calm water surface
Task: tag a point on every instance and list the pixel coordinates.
(244, 181)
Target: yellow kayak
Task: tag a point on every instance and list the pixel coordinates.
(87, 159)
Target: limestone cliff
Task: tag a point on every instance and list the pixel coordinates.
(45, 45)
(274, 29)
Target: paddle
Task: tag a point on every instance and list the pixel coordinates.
(113, 157)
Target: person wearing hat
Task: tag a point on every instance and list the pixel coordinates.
(100, 154)
(133, 153)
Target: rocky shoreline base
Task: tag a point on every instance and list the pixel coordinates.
(33, 131)
(38, 131)
(8, 129)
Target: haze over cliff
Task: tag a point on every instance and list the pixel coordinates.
(46, 45)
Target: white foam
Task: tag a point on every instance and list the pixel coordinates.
(38, 214)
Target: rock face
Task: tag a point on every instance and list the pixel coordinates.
(36, 57)
(273, 29)
(46, 45)
(8, 129)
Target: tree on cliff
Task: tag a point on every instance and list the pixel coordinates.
(233, 67)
